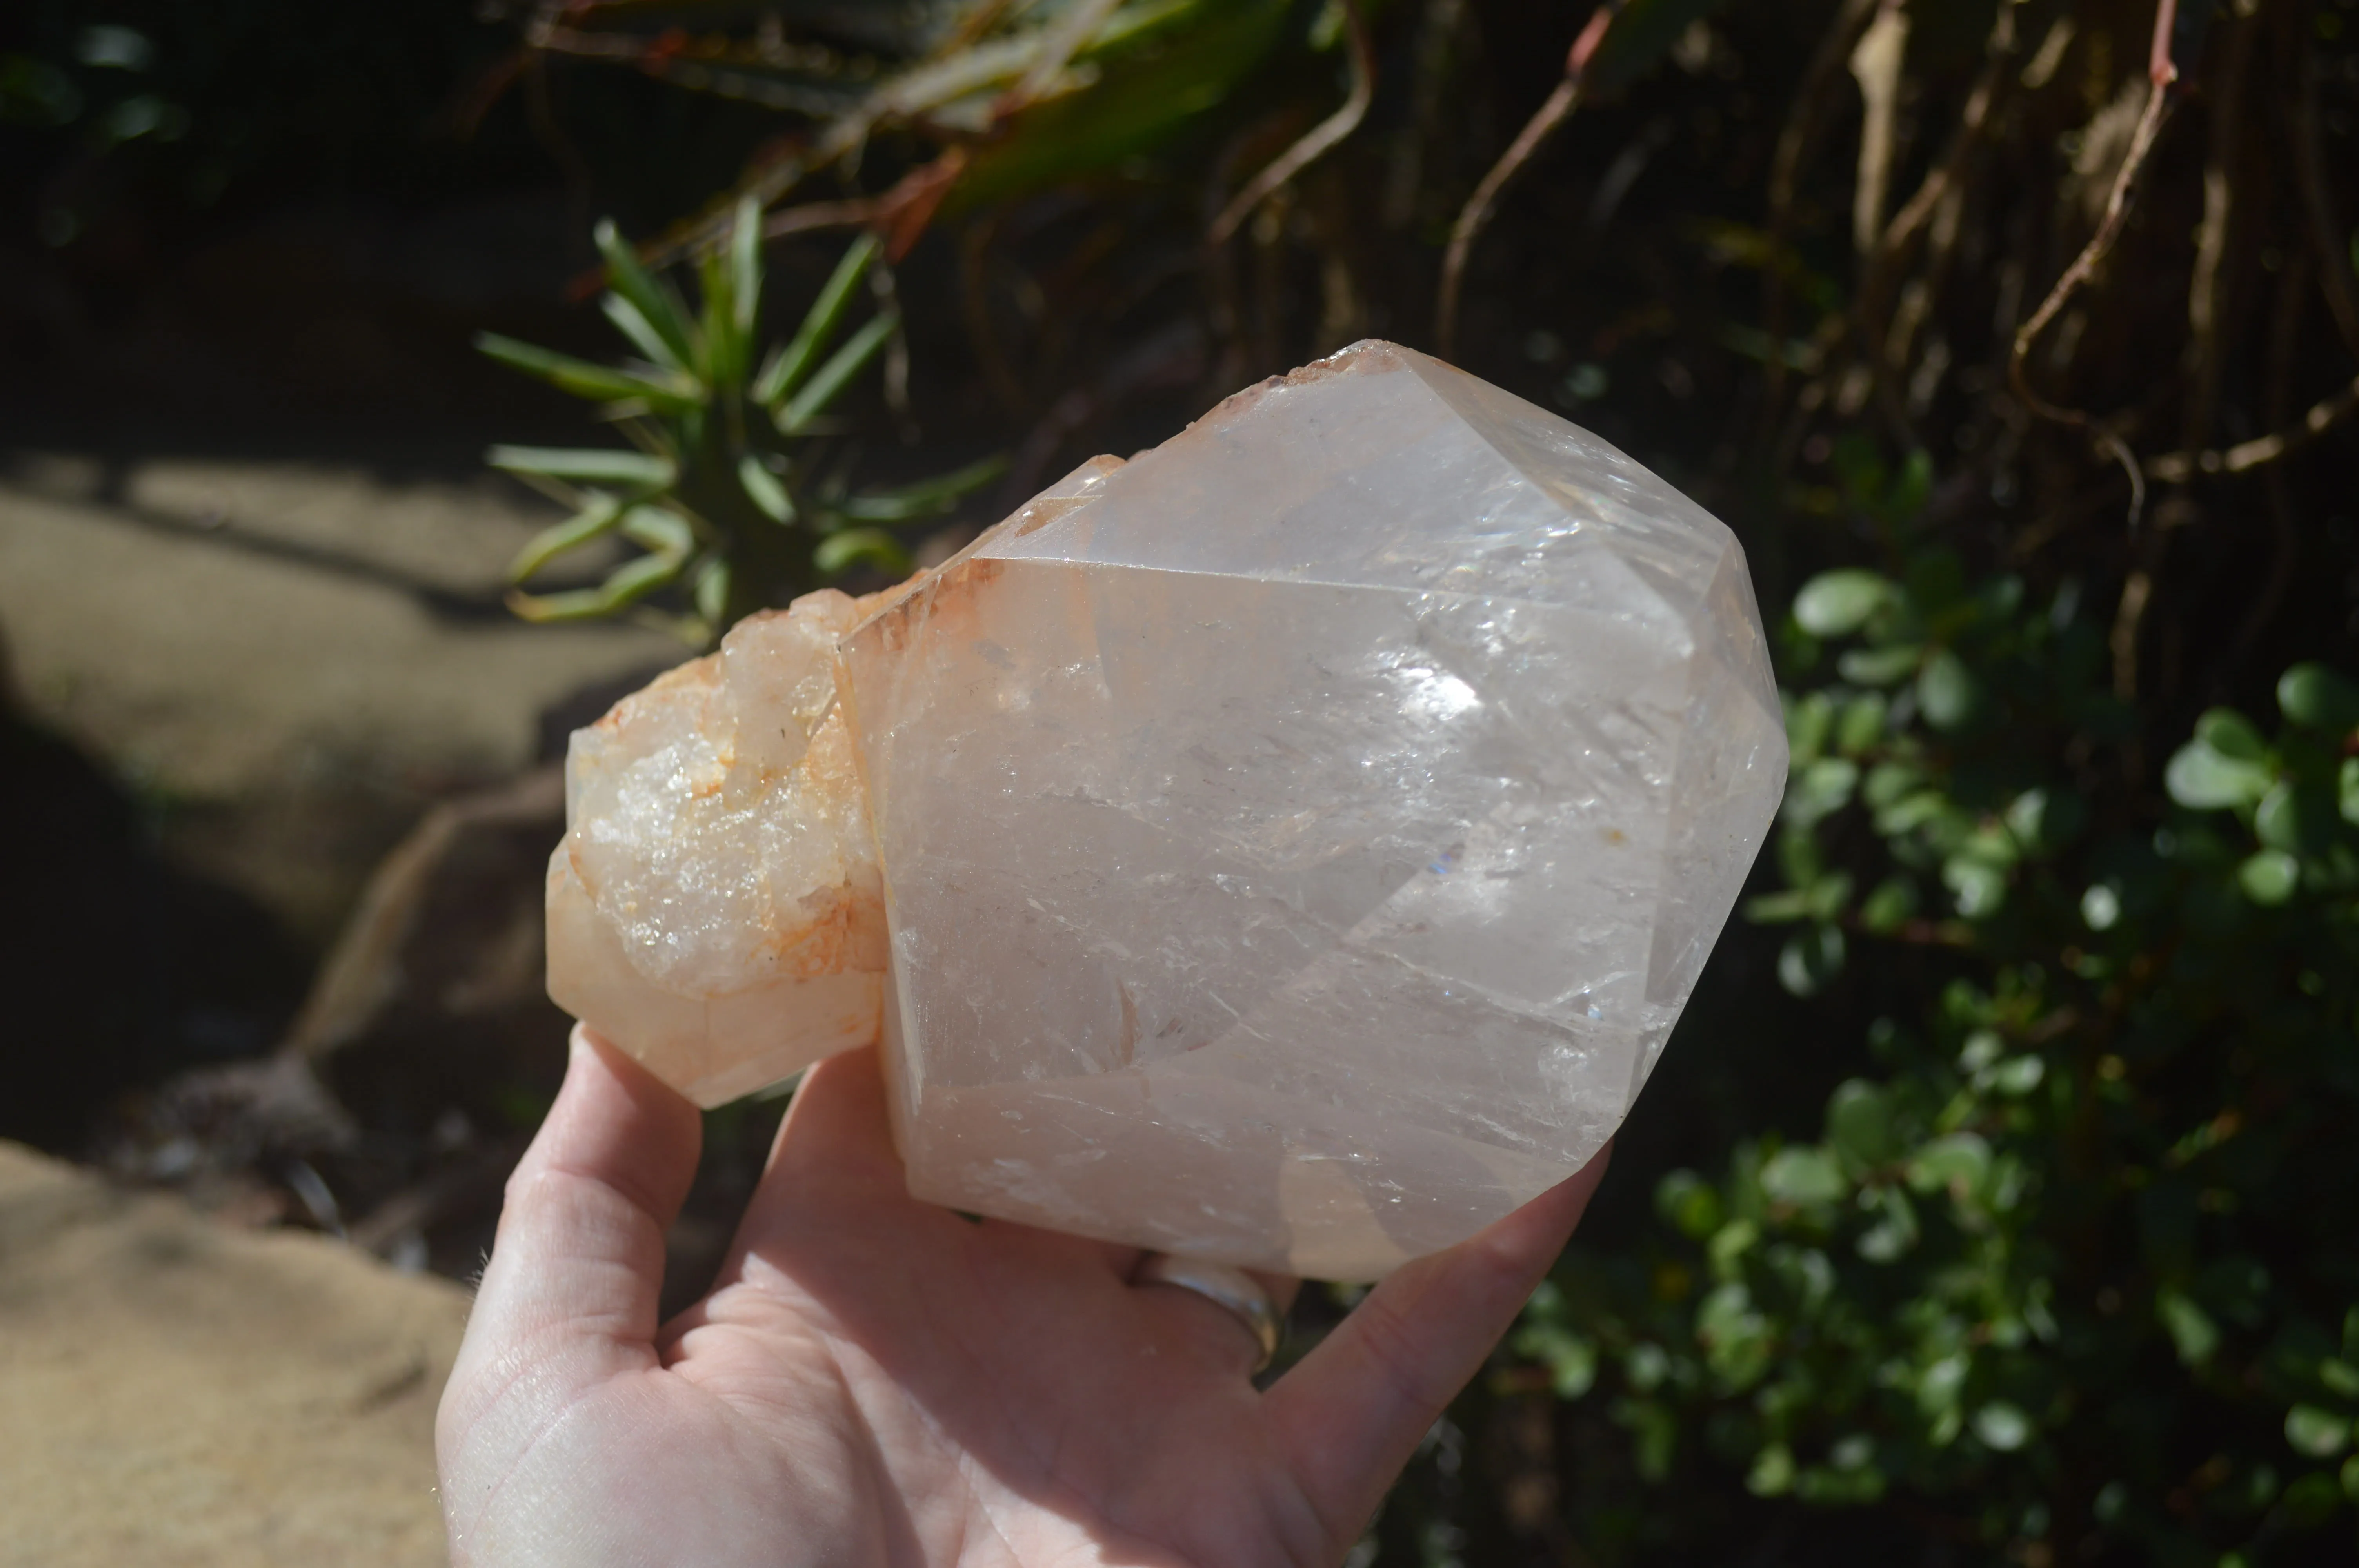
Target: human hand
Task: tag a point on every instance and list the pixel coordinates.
(874, 1380)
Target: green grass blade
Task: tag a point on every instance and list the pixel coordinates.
(926, 498)
(593, 521)
(639, 471)
(633, 324)
(724, 354)
(765, 490)
(711, 590)
(655, 528)
(839, 552)
(828, 383)
(746, 265)
(655, 300)
(601, 383)
(786, 372)
(626, 586)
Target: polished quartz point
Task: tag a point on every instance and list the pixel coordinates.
(1296, 843)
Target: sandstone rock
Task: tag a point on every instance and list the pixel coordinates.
(176, 1393)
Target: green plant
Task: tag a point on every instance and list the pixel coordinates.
(2074, 1269)
(725, 488)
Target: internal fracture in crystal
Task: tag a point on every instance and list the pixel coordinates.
(1296, 843)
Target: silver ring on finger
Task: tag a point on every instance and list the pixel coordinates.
(1244, 1297)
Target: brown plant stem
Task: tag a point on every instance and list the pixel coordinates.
(2318, 202)
(2175, 467)
(1313, 143)
(1784, 174)
(2160, 75)
(1475, 215)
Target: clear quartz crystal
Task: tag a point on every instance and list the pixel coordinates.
(1297, 843)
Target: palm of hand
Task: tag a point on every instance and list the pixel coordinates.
(876, 1380)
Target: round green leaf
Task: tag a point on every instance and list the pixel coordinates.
(2347, 791)
(2319, 698)
(2297, 816)
(1979, 886)
(1891, 903)
(1880, 667)
(1773, 1471)
(1808, 720)
(2316, 1433)
(1803, 1176)
(1957, 1160)
(2001, 1426)
(2269, 877)
(1946, 690)
(2018, 1075)
(1859, 1122)
(1689, 1203)
(2204, 778)
(1861, 724)
(1820, 790)
(1809, 959)
(1834, 604)
(2192, 1332)
(2231, 734)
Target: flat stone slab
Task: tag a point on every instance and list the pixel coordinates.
(177, 1394)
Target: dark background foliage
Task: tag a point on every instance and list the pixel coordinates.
(1996, 1200)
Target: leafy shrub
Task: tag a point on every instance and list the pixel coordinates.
(2074, 1269)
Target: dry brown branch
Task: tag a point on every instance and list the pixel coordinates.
(2142, 140)
(1786, 170)
(1896, 245)
(2225, 201)
(1876, 62)
(2160, 75)
(2318, 202)
(2174, 467)
(1475, 215)
(1067, 33)
(1315, 142)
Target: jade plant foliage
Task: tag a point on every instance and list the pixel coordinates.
(2077, 1261)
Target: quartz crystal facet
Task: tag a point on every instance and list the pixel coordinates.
(1296, 843)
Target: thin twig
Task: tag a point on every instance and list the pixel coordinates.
(1475, 215)
(2175, 467)
(2160, 75)
(1894, 248)
(2317, 204)
(1784, 174)
(1315, 142)
(2116, 209)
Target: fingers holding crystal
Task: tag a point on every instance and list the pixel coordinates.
(837, 1135)
(579, 1261)
(1353, 1412)
(580, 1237)
(1254, 1303)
